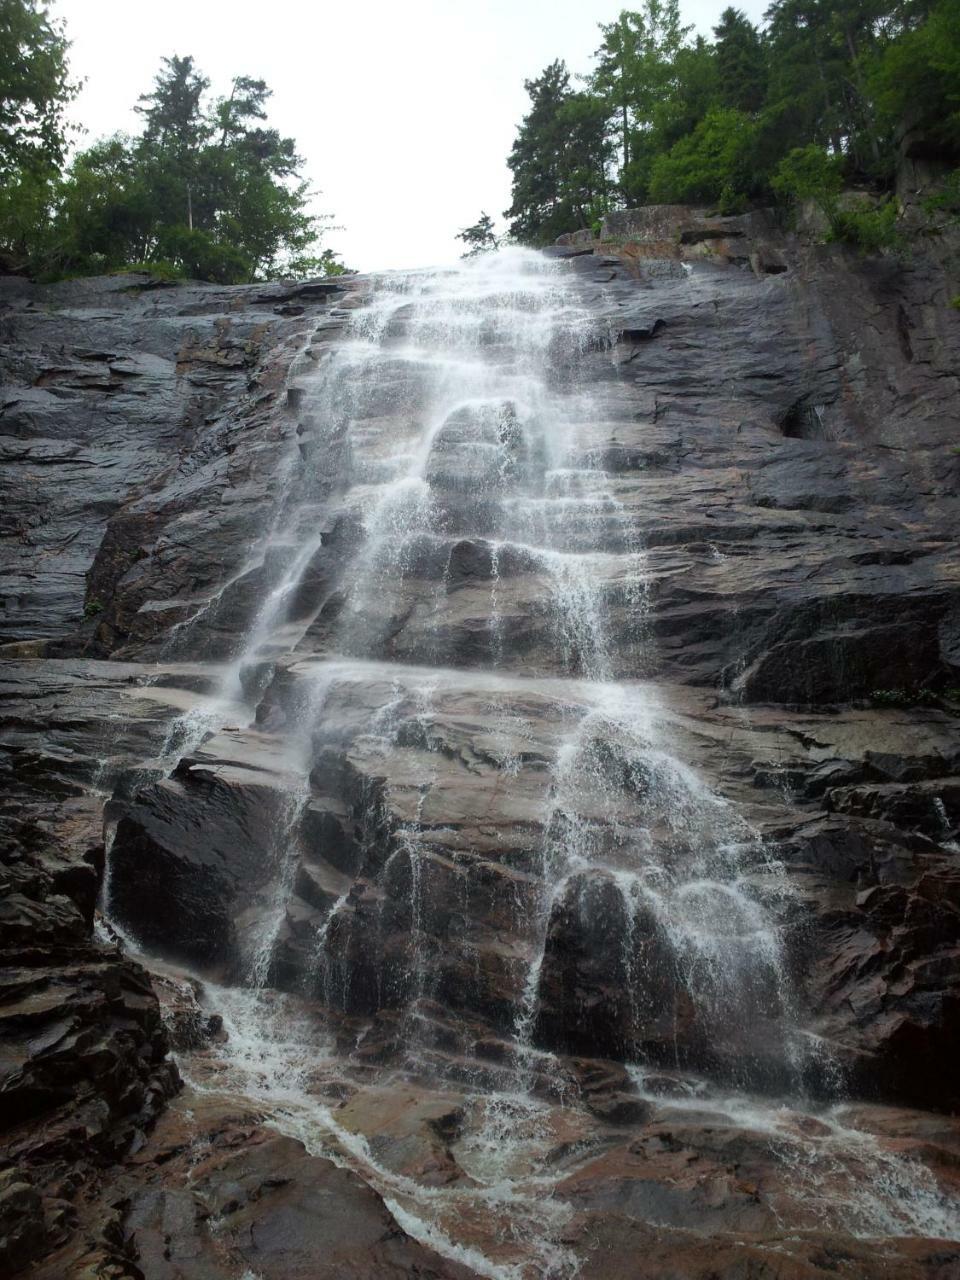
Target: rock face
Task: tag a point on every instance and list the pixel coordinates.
(533, 670)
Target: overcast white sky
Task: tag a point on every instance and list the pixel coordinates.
(405, 111)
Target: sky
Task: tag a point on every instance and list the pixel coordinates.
(404, 110)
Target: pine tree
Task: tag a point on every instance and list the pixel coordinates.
(480, 238)
(741, 63)
(558, 159)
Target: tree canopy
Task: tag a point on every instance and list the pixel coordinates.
(35, 88)
(673, 117)
(559, 158)
(206, 189)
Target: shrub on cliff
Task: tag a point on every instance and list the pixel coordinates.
(810, 173)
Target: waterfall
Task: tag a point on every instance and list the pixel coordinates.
(487, 852)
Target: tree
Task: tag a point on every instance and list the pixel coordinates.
(713, 163)
(616, 73)
(480, 237)
(206, 188)
(916, 78)
(692, 92)
(737, 120)
(174, 121)
(809, 173)
(558, 159)
(741, 63)
(35, 88)
(634, 77)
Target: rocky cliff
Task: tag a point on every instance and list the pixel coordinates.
(390, 762)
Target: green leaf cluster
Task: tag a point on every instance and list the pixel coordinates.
(822, 96)
(206, 187)
(35, 88)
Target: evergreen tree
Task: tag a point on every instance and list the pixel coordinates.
(175, 125)
(480, 238)
(616, 73)
(741, 63)
(915, 77)
(692, 93)
(835, 81)
(558, 160)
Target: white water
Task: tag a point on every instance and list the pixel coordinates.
(455, 400)
(848, 1180)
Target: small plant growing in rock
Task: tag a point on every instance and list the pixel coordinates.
(904, 697)
(92, 608)
(868, 227)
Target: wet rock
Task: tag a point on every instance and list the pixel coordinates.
(83, 1054)
(930, 807)
(258, 1200)
(23, 1232)
(180, 861)
(586, 977)
(799, 582)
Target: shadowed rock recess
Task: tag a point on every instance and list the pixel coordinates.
(481, 768)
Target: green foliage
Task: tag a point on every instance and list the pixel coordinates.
(206, 188)
(480, 237)
(916, 77)
(92, 608)
(35, 90)
(156, 269)
(596, 211)
(558, 159)
(635, 65)
(710, 164)
(819, 99)
(809, 173)
(902, 697)
(946, 200)
(741, 63)
(305, 266)
(868, 226)
(25, 200)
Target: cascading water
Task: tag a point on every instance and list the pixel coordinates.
(450, 581)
